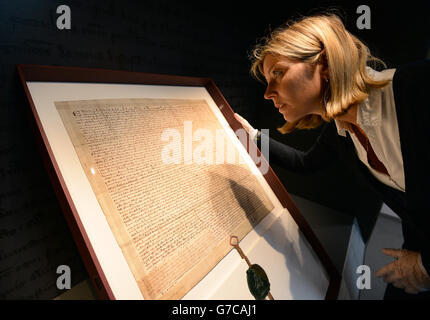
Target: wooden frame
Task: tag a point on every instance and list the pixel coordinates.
(38, 73)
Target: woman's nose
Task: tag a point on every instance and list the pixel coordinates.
(269, 93)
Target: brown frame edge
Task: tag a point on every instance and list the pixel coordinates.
(76, 74)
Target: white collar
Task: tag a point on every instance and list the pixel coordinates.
(366, 117)
(367, 114)
(341, 129)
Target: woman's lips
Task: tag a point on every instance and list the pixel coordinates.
(281, 108)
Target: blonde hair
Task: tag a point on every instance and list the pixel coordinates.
(322, 39)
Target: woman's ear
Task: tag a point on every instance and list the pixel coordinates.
(323, 66)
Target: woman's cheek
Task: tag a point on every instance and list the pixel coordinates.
(305, 91)
(293, 90)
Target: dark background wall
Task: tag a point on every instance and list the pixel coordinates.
(171, 37)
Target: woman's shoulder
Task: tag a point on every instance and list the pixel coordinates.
(411, 90)
(416, 72)
(414, 69)
(412, 76)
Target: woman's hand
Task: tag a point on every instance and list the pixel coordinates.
(407, 272)
(251, 131)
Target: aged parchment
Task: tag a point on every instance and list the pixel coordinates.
(172, 221)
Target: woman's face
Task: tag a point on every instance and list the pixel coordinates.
(294, 87)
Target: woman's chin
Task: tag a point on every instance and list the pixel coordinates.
(289, 118)
(287, 114)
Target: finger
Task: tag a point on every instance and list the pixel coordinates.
(243, 122)
(240, 118)
(415, 283)
(237, 116)
(411, 287)
(411, 290)
(385, 271)
(395, 253)
(399, 284)
(392, 277)
(393, 274)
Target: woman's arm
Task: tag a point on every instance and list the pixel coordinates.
(319, 156)
(411, 93)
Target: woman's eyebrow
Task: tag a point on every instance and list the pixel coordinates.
(282, 64)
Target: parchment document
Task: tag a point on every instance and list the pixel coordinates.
(172, 221)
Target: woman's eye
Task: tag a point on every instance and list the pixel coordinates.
(276, 73)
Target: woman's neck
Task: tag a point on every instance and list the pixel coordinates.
(350, 116)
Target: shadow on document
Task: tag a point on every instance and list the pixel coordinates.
(234, 189)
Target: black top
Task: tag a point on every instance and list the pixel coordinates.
(411, 89)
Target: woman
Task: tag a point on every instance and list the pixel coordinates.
(316, 72)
